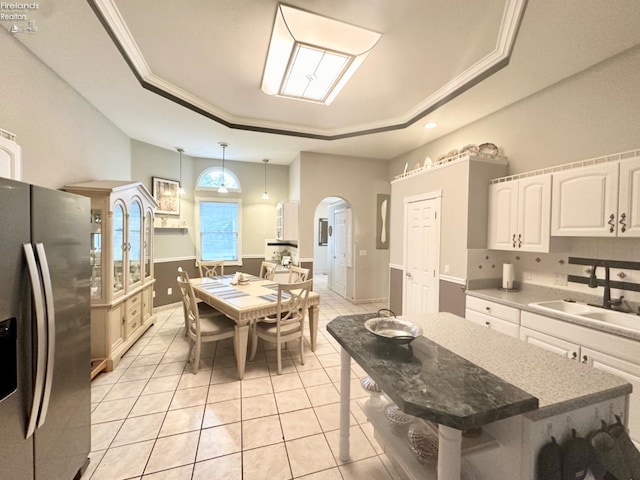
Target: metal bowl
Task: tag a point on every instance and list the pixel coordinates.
(393, 330)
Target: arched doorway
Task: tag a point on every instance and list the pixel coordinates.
(331, 252)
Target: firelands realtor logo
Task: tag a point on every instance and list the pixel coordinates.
(20, 16)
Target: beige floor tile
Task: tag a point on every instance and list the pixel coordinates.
(218, 441)
(182, 420)
(190, 380)
(161, 384)
(94, 460)
(301, 423)
(323, 395)
(325, 348)
(312, 378)
(329, 417)
(288, 381)
(256, 386)
(102, 434)
(174, 451)
(123, 462)
(224, 391)
(189, 397)
(124, 389)
(221, 413)
(329, 360)
(166, 369)
(98, 392)
(261, 431)
(155, 403)
(367, 428)
(291, 400)
(357, 411)
(138, 429)
(359, 445)
(224, 375)
(266, 462)
(329, 474)
(256, 370)
(155, 348)
(180, 473)
(137, 373)
(146, 360)
(108, 378)
(368, 468)
(228, 467)
(112, 410)
(309, 455)
(258, 406)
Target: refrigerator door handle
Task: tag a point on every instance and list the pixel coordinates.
(41, 345)
(51, 330)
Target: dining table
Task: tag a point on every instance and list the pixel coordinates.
(245, 303)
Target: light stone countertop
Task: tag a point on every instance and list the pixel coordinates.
(534, 293)
(560, 385)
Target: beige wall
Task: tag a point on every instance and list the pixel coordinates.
(258, 215)
(358, 181)
(64, 139)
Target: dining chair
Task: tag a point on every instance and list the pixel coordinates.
(211, 268)
(298, 274)
(288, 322)
(202, 327)
(267, 270)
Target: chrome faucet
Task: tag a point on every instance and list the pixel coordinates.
(593, 283)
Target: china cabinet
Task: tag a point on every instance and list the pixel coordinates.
(121, 258)
(287, 220)
(519, 214)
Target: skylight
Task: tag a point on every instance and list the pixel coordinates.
(312, 57)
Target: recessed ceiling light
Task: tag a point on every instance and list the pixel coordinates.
(430, 125)
(312, 57)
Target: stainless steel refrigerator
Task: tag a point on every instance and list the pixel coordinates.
(45, 390)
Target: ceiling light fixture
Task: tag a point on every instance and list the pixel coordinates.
(312, 57)
(265, 195)
(181, 190)
(223, 188)
(430, 125)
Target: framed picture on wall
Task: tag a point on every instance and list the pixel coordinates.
(166, 194)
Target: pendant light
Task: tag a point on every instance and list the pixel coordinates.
(223, 188)
(181, 190)
(265, 195)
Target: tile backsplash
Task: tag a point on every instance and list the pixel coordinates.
(552, 269)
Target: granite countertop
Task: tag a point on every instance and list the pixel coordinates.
(463, 375)
(535, 293)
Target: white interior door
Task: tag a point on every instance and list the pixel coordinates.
(422, 256)
(339, 253)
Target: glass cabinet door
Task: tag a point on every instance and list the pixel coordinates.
(118, 248)
(135, 243)
(95, 256)
(148, 225)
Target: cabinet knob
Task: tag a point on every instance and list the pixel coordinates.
(488, 324)
(574, 355)
(488, 309)
(623, 218)
(611, 223)
(585, 359)
(519, 240)
(514, 240)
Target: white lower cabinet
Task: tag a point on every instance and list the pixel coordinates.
(613, 354)
(498, 317)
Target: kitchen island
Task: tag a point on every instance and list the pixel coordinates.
(460, 376)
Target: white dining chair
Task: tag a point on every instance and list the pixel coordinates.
(211, 268)
(288, 322)
(267, 270)
(298, 274)
(202, 327)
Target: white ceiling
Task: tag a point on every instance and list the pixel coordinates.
(212, 54)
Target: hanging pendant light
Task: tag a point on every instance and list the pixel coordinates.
(223, 188)
(181, 190)
(265, 195)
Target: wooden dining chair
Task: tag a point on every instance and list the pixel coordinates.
(211, 268)
(267, 270)
(288, 322)
(202, 327)
(298, 274)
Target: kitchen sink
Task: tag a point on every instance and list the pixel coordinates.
(582, 310)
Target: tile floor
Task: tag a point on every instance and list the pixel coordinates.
(155, 420)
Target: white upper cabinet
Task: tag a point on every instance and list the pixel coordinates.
(597, 201)
(519, 213)
(629, 198)
(287, 221)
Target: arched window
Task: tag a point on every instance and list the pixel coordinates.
(211, 179)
